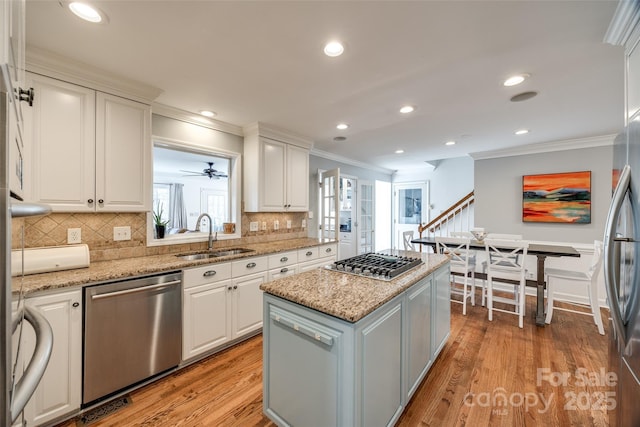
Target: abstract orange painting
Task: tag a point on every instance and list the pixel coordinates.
(558, 197)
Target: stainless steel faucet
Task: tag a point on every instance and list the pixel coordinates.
(211, 238)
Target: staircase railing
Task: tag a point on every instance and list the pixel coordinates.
(458, 217)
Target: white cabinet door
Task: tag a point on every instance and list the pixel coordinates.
(206, 318)
(123, 155)
(297, 179)
(247, 304)
(59, 391)
(60, 131)
(441, 315)
(17, 157)
(273, 170)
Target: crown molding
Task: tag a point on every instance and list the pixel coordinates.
(348, 161)
(195, 119)
(546, 147)
(49, 64)
(624, 20)
(278, 134)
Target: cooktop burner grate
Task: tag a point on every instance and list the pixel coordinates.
(377, 266)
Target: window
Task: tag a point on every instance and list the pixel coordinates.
(189, 181)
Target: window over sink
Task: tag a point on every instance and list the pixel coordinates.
(189, 180)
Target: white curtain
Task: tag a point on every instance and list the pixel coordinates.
(177, 211)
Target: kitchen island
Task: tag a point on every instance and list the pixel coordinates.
(346, 350)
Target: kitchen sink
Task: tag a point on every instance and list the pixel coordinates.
(214, 254)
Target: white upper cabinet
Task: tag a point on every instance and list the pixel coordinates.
(123, 154)
(90, 151)
(276, 170)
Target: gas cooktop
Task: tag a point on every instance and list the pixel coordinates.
(376, 265)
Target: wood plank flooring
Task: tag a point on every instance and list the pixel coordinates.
(488, 374)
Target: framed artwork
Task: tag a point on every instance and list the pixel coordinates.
(557, 197)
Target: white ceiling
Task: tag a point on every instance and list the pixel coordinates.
(263, 61)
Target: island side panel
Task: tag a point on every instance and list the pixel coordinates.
(305, 381)
(442, 309)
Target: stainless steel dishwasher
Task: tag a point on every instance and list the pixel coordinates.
(132, 331)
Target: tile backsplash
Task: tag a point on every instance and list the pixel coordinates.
(97, 233)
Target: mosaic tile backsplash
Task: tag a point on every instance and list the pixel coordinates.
(97, 233)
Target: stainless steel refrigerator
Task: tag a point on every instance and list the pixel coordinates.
(622, 276)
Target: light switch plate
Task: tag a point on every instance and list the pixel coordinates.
(276, 225)
(253, 226)
(304, 223)
(288, 223)
(264, 225)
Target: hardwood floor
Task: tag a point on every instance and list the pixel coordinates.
(488, 374)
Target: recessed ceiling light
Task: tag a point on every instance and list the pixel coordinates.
(515, 80)
(450, 143)
(522, 131)
(208, 113)
(523, 96)
(342, 126)
(340, 138)
(399, 151)
(333, 48)
(87, 12)
(407, 109)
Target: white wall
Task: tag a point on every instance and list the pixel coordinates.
(178, 130)
(498, 193)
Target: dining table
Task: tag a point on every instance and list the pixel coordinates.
(540, 250)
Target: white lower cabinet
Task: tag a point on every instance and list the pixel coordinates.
(419, 355)
(221, 302)
(59, 391)
(205, 318)
(247, 304)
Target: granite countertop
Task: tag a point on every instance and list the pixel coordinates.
(347, 296)
(124, 268)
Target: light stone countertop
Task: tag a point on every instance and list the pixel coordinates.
(347, 296)
(103, 271)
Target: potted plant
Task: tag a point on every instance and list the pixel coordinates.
(159, 223)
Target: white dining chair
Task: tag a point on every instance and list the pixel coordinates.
(462, 263)
(499, 236)
(407, 237)
(587, 278)
(505, 261)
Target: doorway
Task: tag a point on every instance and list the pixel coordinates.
(410, 209)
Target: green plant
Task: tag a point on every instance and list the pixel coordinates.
(157, 215)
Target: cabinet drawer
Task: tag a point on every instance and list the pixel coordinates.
(249, 266)
(327, 250)
(283, 259)
(307, 254)
(206, 274)
(279, 273)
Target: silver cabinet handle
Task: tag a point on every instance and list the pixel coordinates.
(284, 270)
(209, 273)
(39, 360)
(134, 290)
(305, 330)
(610, 253)
(309, 253)
(328, 250)
(284, 259)
(235, 286)
(251, 265)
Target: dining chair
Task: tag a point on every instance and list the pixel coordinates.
(407, 237)
(505, 264)
(588, 278)
(462, 263)
(462, 234)
(499, 236)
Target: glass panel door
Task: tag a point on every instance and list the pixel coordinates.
(366, 221)
(329, 193)
(411, 201)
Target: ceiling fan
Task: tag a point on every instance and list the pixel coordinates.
(210, 172)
